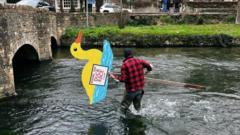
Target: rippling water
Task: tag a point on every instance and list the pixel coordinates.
(52, 101)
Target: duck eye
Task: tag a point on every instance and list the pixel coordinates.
(75, 49)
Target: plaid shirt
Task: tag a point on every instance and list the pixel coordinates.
(132, 73)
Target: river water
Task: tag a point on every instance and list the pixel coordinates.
(51, 99)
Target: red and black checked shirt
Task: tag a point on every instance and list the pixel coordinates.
(132, 73)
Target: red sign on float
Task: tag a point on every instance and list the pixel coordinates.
(99, 75)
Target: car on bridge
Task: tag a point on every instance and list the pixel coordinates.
(36, 4)
(110, 8)
(113, 8)
(45, 5)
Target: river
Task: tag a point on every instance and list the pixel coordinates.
(51, 100)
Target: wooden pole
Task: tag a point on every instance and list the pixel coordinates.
(173, 83)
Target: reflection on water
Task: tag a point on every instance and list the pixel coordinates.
(52, 101)
(97, 129)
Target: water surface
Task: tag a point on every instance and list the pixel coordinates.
(52, 101)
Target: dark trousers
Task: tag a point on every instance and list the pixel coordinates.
(132, 97)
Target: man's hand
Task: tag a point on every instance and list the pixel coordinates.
(113, 76)
(148, 70)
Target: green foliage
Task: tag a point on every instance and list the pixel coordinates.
(167, 19)
(189, 19)
(199, 20)
(139, 21)
(230, 19)
(114, 31)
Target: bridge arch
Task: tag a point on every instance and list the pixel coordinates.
(24, 55)
(54, 43)
(26, 39)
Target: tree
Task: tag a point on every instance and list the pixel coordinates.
(99, 3)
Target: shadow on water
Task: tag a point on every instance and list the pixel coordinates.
(97, 129)
(134, 125)
(7, 132)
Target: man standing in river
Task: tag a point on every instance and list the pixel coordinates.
(132, 74)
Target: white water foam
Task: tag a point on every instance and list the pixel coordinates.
(157, 108)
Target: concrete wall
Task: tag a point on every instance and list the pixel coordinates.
(20, 26)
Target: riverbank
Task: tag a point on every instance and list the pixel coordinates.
(159, 36)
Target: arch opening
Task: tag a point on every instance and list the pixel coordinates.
(54, 44)
(25, 58)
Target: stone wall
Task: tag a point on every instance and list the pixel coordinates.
(143, 41)
(78, 20)
(6, 71)
(136, 19)
(66, 20)
(20, 26)
(209, 6)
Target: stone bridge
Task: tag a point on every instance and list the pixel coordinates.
(25, 34)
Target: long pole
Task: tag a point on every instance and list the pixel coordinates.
(87, 12)
(173, 83)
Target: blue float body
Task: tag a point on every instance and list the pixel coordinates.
(100, 92)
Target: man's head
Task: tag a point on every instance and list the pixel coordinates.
(128, 52)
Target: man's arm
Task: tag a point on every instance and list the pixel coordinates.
(147, 66)
(122, 77)
(113, 76)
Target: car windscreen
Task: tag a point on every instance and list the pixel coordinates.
(111, 6)
(32, 3)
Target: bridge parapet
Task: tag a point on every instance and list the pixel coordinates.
(210, 6)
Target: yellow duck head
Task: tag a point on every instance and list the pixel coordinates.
(93, 55)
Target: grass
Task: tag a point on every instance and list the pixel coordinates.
(185, 30)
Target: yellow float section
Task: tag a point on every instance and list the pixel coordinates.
(93, 56)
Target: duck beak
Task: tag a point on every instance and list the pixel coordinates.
(79, 37)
